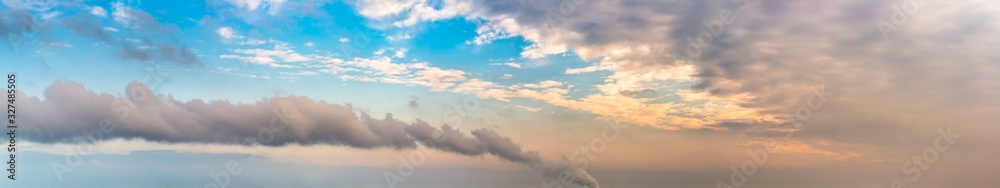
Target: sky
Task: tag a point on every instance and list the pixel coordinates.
(481, 93)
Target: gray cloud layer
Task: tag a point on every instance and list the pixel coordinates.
(69, 111)
(777, 49)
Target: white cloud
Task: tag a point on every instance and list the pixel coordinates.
(253, 42)
(512, 64)
(309, 44)
(400, 53)
(227, 33)
(112, 29)
(281, 53)
(629, 81)
(253, 5)
(382, 69)
(540, 50)
(98, 11)
(61, 45)
(506, 76)
(394, 52)
(605, 64)
(384, 8)
(232, 71)
(530, 109)
(544, 84)
(490, 32)
(121, 14)
(412, 11)
(398, 37)
(50, 15)
(344, 39)
(509, 64)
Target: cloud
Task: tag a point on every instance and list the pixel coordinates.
(35, 6)
(544, 84)
(158, 43)
(98, 11)
(252, 5)
(137, 20)
(397, 37)
(159, 52)
(540, 50)
(282, 53)
(489, 141)
(768, 53)
(413, 102)
(86, 26)
(383, 69)
(161, 118)
(761, 68)
(509, 64)
(530, 109)
(69, 108)
(405, 13)
(490, 32)
(268, 13)
(227, 33)
(18, 23)
(400, 53)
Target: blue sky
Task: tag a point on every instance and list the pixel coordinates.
(335, 30)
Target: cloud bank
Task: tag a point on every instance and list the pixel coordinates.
(69, 111)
